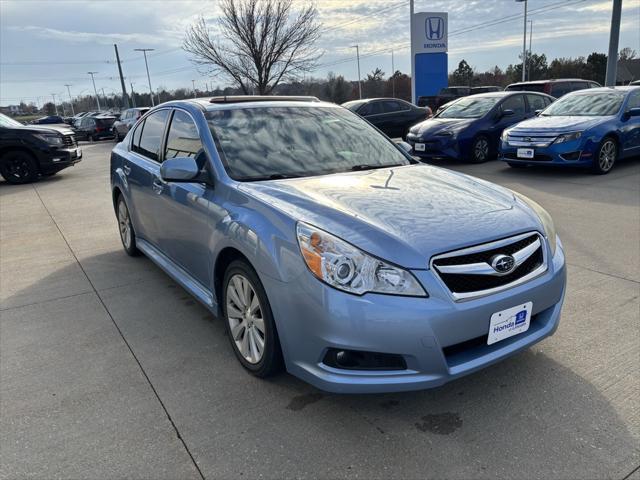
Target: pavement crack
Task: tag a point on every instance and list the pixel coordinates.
(631, 473)
(604, 273)
(115, 324)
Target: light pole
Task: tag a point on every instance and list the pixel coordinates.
(524, 40)
(530, 50)
(73, 113)
(106, 104)
(193, 82)
(614, 37)
(359, 81)
(146, 64)
(95, 90)
(54, 102)
(393, 77)
(133, 96)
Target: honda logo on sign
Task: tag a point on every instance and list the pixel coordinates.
(434, 28)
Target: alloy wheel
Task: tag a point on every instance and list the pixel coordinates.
(481, 150)
(124, 222)
(245, 317)
(18, 168)
(607, 155)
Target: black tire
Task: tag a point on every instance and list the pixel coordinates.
(270, 361)
(18, 167)
(125, 228)
(116, 136)
(517, 165)
(480, 149)
(605, 157)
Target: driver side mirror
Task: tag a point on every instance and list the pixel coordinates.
(181, 169)
(537, 112)
(407, 149)
(508, 113)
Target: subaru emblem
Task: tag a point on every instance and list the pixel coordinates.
(503, 264)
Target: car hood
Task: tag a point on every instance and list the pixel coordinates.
(435, 125)
(558, 124)
(63, 129)
(402, 214)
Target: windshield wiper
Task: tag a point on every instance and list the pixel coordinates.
(364, 166)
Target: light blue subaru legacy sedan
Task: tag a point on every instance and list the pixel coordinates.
(329, 251)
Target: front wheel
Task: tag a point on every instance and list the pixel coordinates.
(18, 167)
(480, 149)
(606, 156)
(249, 320)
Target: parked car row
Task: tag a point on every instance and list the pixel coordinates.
(588, 128)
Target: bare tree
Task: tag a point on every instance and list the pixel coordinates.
(262, 42)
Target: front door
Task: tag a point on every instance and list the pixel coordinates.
(187, 213)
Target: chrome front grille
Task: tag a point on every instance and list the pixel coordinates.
(534, 140)
(69, 141)
(472, 272)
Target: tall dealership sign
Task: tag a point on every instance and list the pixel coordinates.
(429, 58)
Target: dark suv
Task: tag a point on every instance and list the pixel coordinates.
(27, 151)
(555, 88)
(127, 120)
(95, 128)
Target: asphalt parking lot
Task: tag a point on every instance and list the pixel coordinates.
(110, 370)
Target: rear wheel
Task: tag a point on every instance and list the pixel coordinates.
(18, 167)
(127, 234)
(480, 149)
(606, 156)
(249, 320)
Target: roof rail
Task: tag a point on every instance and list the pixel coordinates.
(261, 98)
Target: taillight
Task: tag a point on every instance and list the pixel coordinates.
(99, 129)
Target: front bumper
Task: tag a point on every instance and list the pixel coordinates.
(577, 153)
(436, 147)
(55, 159)
(439, 339)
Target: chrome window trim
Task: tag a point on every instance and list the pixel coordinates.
(460, 297)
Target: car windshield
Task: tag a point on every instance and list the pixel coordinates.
(469, 108)
(595, 104)
(8, 122)
(264, 143)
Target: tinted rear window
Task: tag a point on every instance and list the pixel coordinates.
(105, 121)
(529, 87)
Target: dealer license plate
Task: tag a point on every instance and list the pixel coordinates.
(509, 322)
(419, 147)
(525, 153)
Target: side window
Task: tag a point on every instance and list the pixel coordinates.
(183, 139)
(135, 143)
(594, 85)
(151, 135)
(634, 100)
(515, 103)
(390, 106)
(371, 108)
(536, 102)
(559, 89)
(579, 86)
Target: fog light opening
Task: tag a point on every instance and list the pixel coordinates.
(360, 360)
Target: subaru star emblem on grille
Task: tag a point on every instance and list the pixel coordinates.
(503, 263)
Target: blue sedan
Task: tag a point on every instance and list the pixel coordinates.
(470, 127)
(304, 230)
(588, 128)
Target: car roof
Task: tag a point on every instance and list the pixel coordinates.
(622, 89)
(552, 80)
(205, 104)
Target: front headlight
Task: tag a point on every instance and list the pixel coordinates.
(505, 136)
(568, 137)
(348, 268)
(545, 219)
(51, 139)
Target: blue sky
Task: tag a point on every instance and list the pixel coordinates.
(46, 44)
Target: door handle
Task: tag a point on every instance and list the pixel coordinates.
(126, 169)
(158, 185)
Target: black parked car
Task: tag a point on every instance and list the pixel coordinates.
(51, 119)
(470, 127)
(27, 151)
(95, 128)
(127, 120)
(391, 115)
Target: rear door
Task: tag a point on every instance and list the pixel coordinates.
(535, 103)
(186, 215)
(517, 104)
(142, 168)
